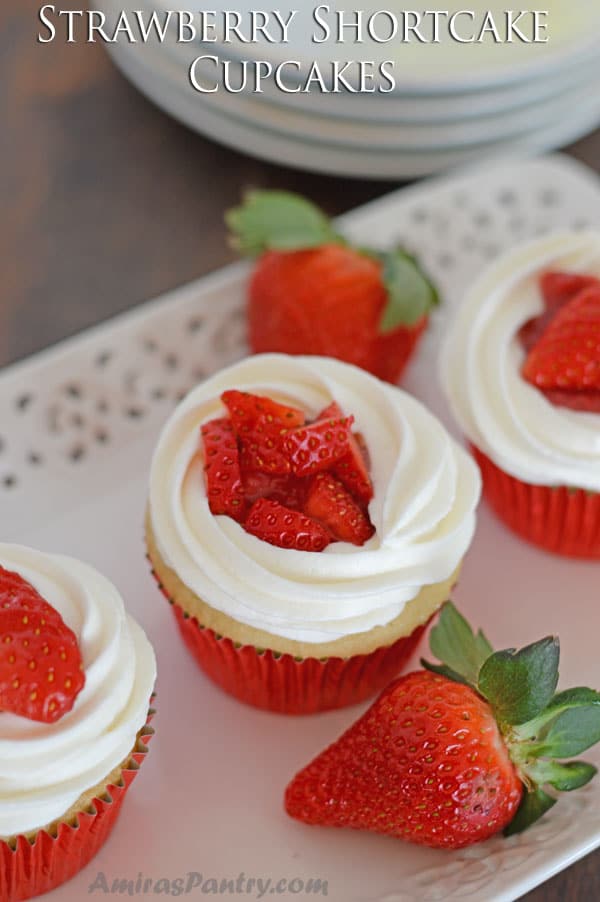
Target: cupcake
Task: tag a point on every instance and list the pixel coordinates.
(76, 679)
(306, 521)
(312, 292)
(521, 366)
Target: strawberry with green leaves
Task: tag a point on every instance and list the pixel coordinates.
(312, 292)
(455, 753)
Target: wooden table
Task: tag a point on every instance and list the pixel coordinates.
(106, 202)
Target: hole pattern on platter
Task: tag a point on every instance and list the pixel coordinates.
(127, 378)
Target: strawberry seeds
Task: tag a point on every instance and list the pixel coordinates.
(290, 482)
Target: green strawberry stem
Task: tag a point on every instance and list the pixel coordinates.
(282, 221)
(539, 725)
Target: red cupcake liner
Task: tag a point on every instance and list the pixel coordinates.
(29, 868)
(288, 685)
(559, 519)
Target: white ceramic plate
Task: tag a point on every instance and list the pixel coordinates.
(78, 425)
(252, 110)
(318, 155)
(432, 108)
(446, 67)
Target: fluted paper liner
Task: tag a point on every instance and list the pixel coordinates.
(288, 685)
(30, 867)
(559, 519)
(283, 683)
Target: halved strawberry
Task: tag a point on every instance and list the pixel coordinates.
(311, 449)
(224, 488)
(558, 288)
(17, 594)
(332, 505)
(278, 525)
(41, 669)
(567, 355)
(248, 410)
(352, 469)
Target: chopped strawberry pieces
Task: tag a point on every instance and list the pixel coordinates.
(224, 488)
(262, 447)
(261, 464)
(247, 410)
(333, 506)
(288, 490)
(352, 469)
(278, 525)
(41, 669)
(312, 449)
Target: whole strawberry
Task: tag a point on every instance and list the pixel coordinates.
(313, 293)
(450, 755)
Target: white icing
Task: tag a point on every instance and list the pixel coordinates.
(425, 493)
(506, 417)
(45, 768)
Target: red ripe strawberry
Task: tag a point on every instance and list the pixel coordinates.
(312, 293)
(311, 449)
(278, 525)
(224, 488)
(41, 670)
(332, 505)
(449, 756)
(248, 410)
(260, 423)
(567, 355)
(558, 288)
(288, 490)
(352, 469)
(425, 763)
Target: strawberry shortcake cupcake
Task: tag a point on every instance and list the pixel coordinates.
(522, 370)
(76, 680)
(306, 521)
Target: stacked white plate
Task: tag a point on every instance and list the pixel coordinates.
(452, 104)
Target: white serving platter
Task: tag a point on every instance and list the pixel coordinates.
(77, 426)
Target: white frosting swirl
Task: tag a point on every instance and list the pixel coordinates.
(425, 493)
(45, 768)
(506, 417)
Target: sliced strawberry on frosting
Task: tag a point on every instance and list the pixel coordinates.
(566, 358)
(263, 450)
(352, 469)
(264, 456)
(247, 410)
(285, 488)
(558, 288)
(311, 449)
(332, 505)
(224, 488)
(278, 525)
(41, 669)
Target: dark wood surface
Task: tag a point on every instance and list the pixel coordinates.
(106, 202)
